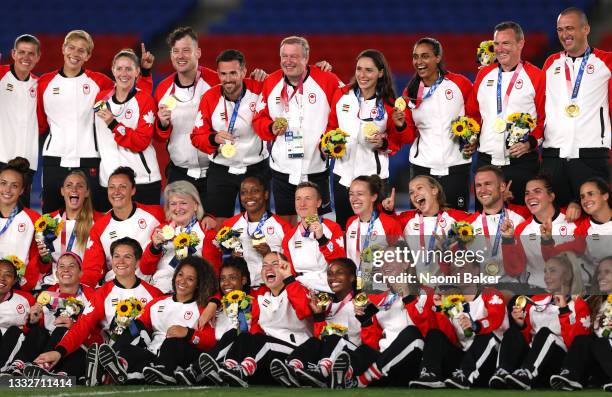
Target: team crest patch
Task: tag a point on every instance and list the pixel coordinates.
(353, 234)
(129, 114)
(519, 84)
(20, 309)
(112, 234)
(86, 89)
(345, 108)
(416, 226)
(532, 236)
(563, 231)
(33, 92)
(144, 301)
(312, 98)
(449, 94)
(252, 107)
(489, 83)
(277, 100)
(55, 90)
(374, 112)
(557, 70)
(9, 87)
(188, 315)
(161, 308)
(443, 222)
(374, 233)
(142, 223)
(270, 229)
(590, 69)
(21, 228)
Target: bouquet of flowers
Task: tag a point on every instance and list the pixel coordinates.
(47, 229)
(367, 254)
(184, 243)
(237, 305)
(605, 322)
(17, 263)
(452, 306)
(333, 143)
(519, 126)
(125, 312)
(68, 307)
(465, 130)
(334, 329)
(228, 240)
(485, 53)
(461, 232)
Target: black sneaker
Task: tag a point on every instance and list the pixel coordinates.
(458, 380)
(233, 377)
(157, 375)
(209, 367)
(91, 361)
(35, 371)
(427, 380)
(607, 387)
(498, 380)
(311, 377)
(15, 368)
(519, 379)
(186, 376)
(283, 374)
(109, 360)
(563, 382)
(339, 370)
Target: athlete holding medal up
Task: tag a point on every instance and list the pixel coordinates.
(577, 133)
(226, 133)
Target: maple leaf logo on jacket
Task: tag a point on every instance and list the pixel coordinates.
(149, 118)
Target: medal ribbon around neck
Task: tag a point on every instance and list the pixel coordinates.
(285, 98)
(380, 107)
(500, 107)
(420, 98)
(572, 92)
(485, 228)
(432, 238)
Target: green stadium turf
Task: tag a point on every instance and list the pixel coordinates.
(257, 391)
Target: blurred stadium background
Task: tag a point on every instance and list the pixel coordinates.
(337, 31)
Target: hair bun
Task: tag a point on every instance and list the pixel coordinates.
(19, 164)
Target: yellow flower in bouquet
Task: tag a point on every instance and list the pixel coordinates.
(459, 128)
(473, 125)
(235, 296)
(181, 241)
(124, 308)
(333, 143)
(453, 300)
(610, 299)
(222, 233)
(513, 117)
(485, 53)
(41, 224)
(18, 264)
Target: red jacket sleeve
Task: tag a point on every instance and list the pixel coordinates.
(419, 311)
(472, 107)
(43, 83)
(203, 338)
(577, 245)
(496, 311)
(371, 334)
(210, 252)
(255, 328)
(145, 83)
(162, 134)
(94, 259)
(262, 122)
(574, 324)
(445, 325)
(298, 297)
(139, 138)
(332, 119)
(513, 253)
(200, 136)
(80, 330)
(334, 248)
(537, 78)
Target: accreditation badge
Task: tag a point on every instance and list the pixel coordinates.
(295, 144)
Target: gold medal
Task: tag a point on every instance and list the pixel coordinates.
(280, 122)
(169, 101)
(309, 219)
(228, 150)
(400, 104)
(520, 302)
(492, 268)
(168, 232)
(44, 298)
(361, 300)
(370, 129)
(323, 299)
(572, 110)
(499, 125)
(100, 105)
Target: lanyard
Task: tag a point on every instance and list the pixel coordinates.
(389, 300)
(285, 98)
(195, 83)
(366, 240)
(191, 224)
(257, 231)
(380, 107)
(346, 300)
(230, 124)
(500, 108)
(573, 92)
(420, 98)
(10, 219)
(432, 238)
(485, 228)
(71, 238)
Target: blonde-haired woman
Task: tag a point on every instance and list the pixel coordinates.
(78, 216)
(183, 210)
